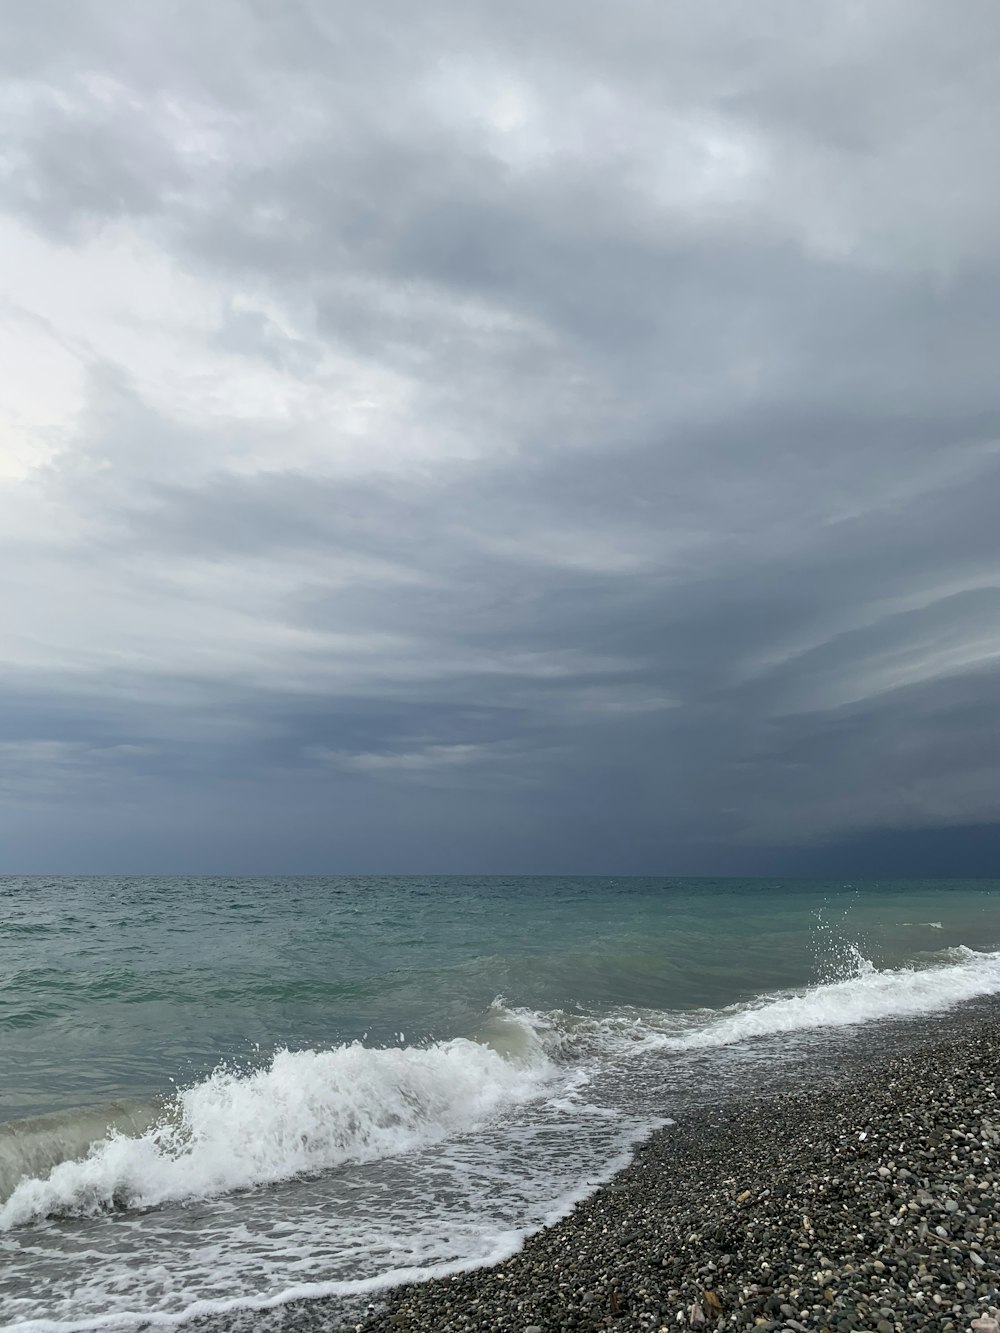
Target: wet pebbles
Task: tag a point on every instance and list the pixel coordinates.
(873, 1205)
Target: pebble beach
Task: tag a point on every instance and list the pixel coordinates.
(871, 1204)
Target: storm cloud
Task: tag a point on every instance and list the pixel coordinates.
(514, 437)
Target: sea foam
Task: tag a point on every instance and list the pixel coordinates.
(867, 996)
(305, 1112)
(309, 1111)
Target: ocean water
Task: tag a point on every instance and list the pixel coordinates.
(220, 1095)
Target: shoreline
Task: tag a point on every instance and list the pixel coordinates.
(870, 1204)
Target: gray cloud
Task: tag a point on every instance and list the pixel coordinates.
(497, 438)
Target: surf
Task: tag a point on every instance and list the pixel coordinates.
(864, 995)
(306, 1112)
(303, 1113)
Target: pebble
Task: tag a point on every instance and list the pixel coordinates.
(871, 1204)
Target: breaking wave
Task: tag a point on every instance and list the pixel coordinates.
(867, 995)
(308, 1111)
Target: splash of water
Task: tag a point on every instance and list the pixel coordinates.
(305, 1112)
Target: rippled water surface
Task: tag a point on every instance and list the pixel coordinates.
(215, 1092)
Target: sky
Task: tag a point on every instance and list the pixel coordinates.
(509, 438)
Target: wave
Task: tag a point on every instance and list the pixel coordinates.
(31, 1147)
(868, 994)
(306, 1112)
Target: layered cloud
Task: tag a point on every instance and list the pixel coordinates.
(475, 437)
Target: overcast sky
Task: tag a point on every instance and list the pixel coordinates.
(514, 436)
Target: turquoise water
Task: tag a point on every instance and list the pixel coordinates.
(323, 1084)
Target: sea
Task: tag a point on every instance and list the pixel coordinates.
(219, 1096)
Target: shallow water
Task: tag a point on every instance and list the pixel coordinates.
(221, 1092)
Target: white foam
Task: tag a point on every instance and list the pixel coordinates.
(869, 995)
(33, 1146)
(503, 1247)
(308, 1111)
(488, 1247)
(463, 1202)
(305, 1112)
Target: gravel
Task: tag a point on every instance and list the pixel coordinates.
(872, 1204)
